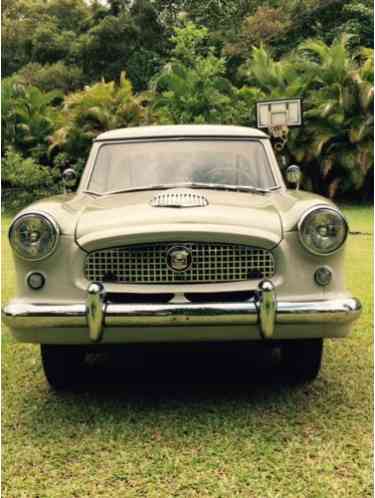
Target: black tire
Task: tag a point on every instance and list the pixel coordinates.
(301, 359)
(62, 365)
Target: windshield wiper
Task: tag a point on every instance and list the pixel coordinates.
(212, 186)
(234, 188)
(148, 187)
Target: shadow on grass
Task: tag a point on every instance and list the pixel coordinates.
(187, 374)
(183, 369)
(174, 390)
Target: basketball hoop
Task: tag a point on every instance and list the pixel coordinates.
(278, 116)
(279, 136)
(284, 112)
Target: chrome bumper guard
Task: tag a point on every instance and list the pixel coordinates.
(96, 314)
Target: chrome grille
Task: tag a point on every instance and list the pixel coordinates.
(147, 263)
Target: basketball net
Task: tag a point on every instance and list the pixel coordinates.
(279, 136)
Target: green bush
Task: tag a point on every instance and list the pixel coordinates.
(97, 108)
(196, 83)
(58, 76)
(335, 144)
(25, 181)
(28, 118)
(192, 87)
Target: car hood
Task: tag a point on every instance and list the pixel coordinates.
(131, 218)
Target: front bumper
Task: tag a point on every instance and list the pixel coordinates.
(264, 312)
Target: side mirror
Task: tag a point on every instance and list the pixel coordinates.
(69, 178)
(293, 176)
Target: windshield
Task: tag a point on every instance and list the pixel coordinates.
(123, 166)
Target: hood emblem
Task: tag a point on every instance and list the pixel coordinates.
(179, 200)
(179, 258)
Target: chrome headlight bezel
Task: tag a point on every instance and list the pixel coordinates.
(305, 218)
(45, 218)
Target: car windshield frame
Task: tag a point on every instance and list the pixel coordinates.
(220, 186)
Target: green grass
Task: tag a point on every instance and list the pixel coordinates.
(261, 440)
(360, 218)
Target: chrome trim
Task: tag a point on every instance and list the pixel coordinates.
(181, 314)
(30, 316)
(317, 208)
(179, 199)
(337, 311)
(49, 219)
(95, 310)
(147, 263)
(28, 275)
(294, 175)
(267, 307)
(189, 258)
(316, 279)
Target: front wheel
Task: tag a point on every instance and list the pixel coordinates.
(62, 365)
(301, 359)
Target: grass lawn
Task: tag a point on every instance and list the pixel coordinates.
(185, 435)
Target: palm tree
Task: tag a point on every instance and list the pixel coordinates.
(275, 79)
(28, 118)
(36, 120)
(335, 145)
(268, 79)
(339, 116)
(101, 107)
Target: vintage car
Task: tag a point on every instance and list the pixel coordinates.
(180, 234)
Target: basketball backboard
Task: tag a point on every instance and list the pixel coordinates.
(283, 112)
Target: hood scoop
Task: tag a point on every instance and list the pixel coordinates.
(179, 199)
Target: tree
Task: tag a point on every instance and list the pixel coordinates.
(87, 113)
(192, 88)
(282, 26)
(30, 179)
(339, 116)
(327, 20)
(58, 76)
(49, 45)
(205, 62)
(69, 15)
(42, 32)
(18, 22)
(264, 26)
(28, 119)
(25, 173)
(335, 145)
(132, 40)
(275, 79)
(215, 15)
(358, 21)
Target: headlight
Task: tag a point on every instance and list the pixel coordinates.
(322, 230)
(34, 236)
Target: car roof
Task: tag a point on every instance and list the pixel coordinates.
(170, 131)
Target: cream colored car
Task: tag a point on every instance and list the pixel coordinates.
(180, 234)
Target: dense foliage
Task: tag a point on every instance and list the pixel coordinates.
(74, 69)
(98, 108)
(192, 88)
(335, 145)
